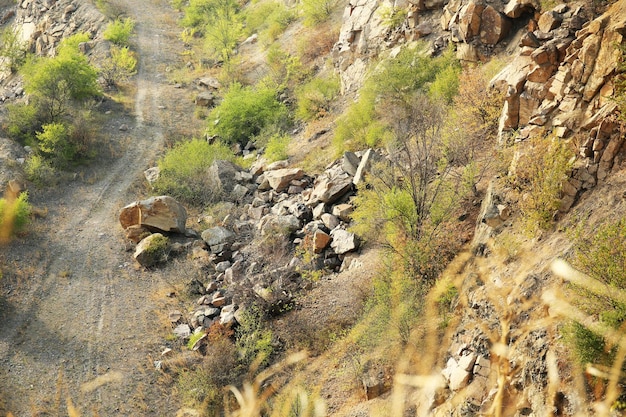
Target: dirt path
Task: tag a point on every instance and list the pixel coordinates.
(77, 319)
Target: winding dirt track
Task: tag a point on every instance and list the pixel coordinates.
(78, 320)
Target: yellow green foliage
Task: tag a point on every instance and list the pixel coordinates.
(14, 215)
(539, 174)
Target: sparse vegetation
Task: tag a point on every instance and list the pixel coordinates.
(540, 173)
(276, 148)
(316, 97)
(268, 18)
(317, 11)
(603, 257)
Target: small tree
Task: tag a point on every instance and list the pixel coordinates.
(12, 49)
(413, 195)
(55, 82)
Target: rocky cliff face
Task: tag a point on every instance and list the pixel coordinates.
(560, 79)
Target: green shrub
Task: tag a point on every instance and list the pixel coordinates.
(446, 84)
(119, 67)
(22, 122)
(359, 126)
(317, 11)
(184, 171)
(14, 215)
(392, 17)
(286, 70)
(119, 31)
(395, 83)
(253, 339)
(540, 174)
(588, 347)
(316, 97)
(244, 112)
(39, 170)
(602, 256)
(200, 13)
(54, 142)
(222, 34)
(276, 148)
(268, 18)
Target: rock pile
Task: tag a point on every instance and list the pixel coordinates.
(268, 204)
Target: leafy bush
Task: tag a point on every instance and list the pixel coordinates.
(22, 121)
(184, 171)
(276, 148)
(392, 17)
(119, 31)
(200, 13)
(119, 67)
(244, 112)
(317, 11)
(446, 84)
(540, 173)
(394, 84)
(14, 215)
(54, 142)
(315, 97)
(286, 70)
(222, 34)
(268, 18)
(39, 170)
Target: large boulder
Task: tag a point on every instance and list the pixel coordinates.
(162, 213)
(494, 26)
(279, 179)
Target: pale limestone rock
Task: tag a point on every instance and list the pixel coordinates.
(343, 241)
(161, 213)
(279, 179)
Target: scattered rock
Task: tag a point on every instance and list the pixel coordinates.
(343, 241)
